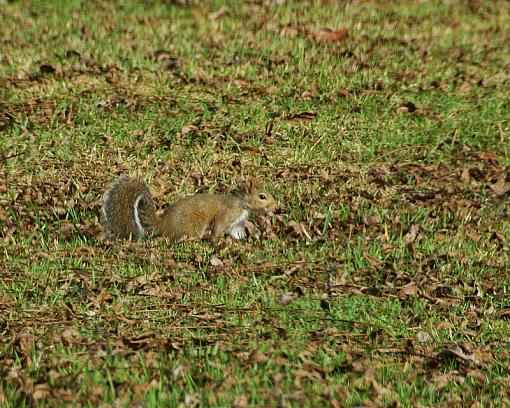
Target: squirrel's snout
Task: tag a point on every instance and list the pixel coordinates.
(273, 209)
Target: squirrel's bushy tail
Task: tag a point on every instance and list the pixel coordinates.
(128, 210)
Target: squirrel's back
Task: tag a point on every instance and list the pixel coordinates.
(128, 210)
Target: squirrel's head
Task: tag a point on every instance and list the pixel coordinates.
(258, 200)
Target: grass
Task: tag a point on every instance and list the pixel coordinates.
(383, 281)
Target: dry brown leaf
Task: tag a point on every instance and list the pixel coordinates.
(145, 387)
(256, 357)
(287, 298)
(412, 234)
(41, 391)
(330, 36)
(407, 107)
(3, 213)
(192, 400)
(372, 260)
(158, 292)
(463, 88)
(26, 342)
(289, 31)
(498, 236)
(489, 157)
(281, 361)
(299, 374)
(303, 116)
(443, 379)
(187, 129)
(216, 261)
(299, 229)
(501, 187)
(473, 235)
(444, 325)
(504, 314)
(240, 401)
(97, 390)
(71, 336)
(48, 69)
(466, 174)
(410, 289)
(460, 353)
(423, 337)
(222, 11)
(359, 365)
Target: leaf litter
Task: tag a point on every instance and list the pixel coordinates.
(74, 299)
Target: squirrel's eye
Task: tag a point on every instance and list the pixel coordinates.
(262, 196)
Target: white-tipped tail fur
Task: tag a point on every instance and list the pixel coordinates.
(128, 210)
(136, 217)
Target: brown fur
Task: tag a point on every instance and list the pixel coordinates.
(189, 217)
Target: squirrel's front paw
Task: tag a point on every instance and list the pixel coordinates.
(238, 233)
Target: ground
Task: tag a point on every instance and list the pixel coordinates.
(381, 128)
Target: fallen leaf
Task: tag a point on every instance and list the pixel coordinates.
(406, 107)
(409, 290)
(41, 391)
(300, 374)
(289, 31)
(216, 261)
(172, 64)
(177, 373)
(167, 57)
(222, 11)
(71, 335)
(473, 235)
(303, 116)
(489, 157)
(423, 337)
(47, 69)
(141, 388)
(330, 36)
(444, 325)
(372, 260)
(192, 400)
(256, 357)
(442, 380)
(459, 352)
(157, 292)
(501, 187)
(412, 234)
(187, 129)
(97, 390)
(504, 314)
(240, 401)
(26, 342)
(463, 88)
(67, 229)
(498, 236)
(299, 229)
(287, 298)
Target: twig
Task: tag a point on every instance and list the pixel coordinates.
(4, 159)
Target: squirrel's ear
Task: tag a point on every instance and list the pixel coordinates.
(252, 186)
(248, 185)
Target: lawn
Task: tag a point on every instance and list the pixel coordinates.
(382, 129)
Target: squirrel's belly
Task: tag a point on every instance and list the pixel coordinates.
(236, 229)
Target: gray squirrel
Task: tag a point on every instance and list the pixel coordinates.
(129, 211)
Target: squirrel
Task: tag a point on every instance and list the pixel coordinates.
(129, 211)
